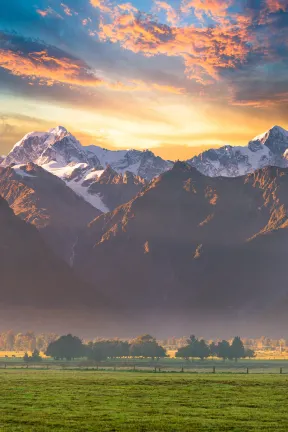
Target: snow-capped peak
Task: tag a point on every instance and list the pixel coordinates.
(274, 131)
(267, 149)
(59, 130)
(60, 153)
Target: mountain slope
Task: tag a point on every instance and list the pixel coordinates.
(55, 145)
(190, 244)
(267, 149)
(59, 153)
(44, 200)
(60, 146)
(31, 274)
(115, 189)
(141, 163)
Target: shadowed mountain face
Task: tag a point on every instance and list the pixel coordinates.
(190, 244)
(116, 189)
(45, 201)
(31, 275)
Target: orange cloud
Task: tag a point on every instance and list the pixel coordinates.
(217, 9)
(204, 50)
(48, 69)
(100, 4)
(172, 16)
(43, 13)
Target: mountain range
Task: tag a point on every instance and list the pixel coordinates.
(45, 201)
(267, 149)
(205, 237)
(191, 244)
(31, 274)
(61, 154)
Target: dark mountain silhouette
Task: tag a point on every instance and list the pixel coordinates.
(31, 275)
(190, 244)
(45, 201)
(116, 189)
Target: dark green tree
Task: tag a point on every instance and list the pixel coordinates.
(249, 353)
(213, 348)
(36, 356)
(146, 346)
(66, 347)
(26, 357)
(203, 350)
(194, 349)
(237, 349)
(184, 352)
(96, 351)
(224, 350)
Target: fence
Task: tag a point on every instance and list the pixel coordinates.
(151, 367)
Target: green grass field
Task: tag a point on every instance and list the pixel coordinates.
(98, 401)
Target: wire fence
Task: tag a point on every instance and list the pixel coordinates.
(148, 367)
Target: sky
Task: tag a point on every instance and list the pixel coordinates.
(176, 76)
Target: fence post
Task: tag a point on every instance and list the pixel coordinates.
(155, 369)
(182, 369)
(281, 370)
(247, 370)
(214, 369)
(114, 368)
(134, 368)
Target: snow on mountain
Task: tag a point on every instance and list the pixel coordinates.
(267, 149)
(60, 153)
(141, 163)
(46, 202)
(44, 147)
(75, 176)
(104, 189)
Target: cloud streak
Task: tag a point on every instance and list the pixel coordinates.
(204, 50)
(46, 65)
(47, 69)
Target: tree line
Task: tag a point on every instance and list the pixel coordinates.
(28, 341)
(196, 348)
(70, 347)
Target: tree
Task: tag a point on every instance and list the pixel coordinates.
(135, 350)
(66, 347)
(224, 350)
(237, 349)
(194, 349)
(146, 346)
(8, 340)
(34, 358)
(96, 351)
(184, 352)
(26, 358)
(145, 338)
(213, 348)
(202, 349)
(249, 353)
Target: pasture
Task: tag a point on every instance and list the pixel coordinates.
(37, 400)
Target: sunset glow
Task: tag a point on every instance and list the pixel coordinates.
(174, 76)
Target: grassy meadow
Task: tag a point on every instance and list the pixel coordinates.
(120, 401)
